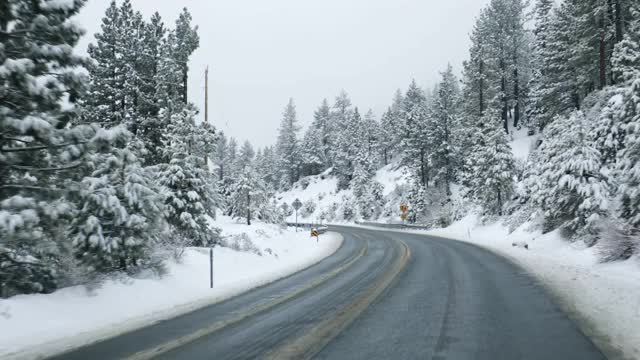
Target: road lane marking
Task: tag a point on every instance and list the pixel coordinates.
(314, 340)
(184, 340)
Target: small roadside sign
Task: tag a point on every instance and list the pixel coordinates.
(314, 232)
(297, 204)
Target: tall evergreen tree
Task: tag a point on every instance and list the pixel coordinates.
(119, 216)
(491, 176)
(313, 153)
(107, 72)
(627, 122)
(444, 127)
(569, 182)
(188, 187)
(416, 142)
(187, 41)
(288, 147)
(39, 148)
(323, 126)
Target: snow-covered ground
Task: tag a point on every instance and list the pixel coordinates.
(323, 190)
(603, 298)
(44, 324)
(522, 144)
(390, 177)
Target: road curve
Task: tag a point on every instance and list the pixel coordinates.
(382, 295)
(458, 301)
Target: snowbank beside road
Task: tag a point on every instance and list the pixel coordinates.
(35, 325)
(603, 298)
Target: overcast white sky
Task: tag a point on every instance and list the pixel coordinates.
(261, 52)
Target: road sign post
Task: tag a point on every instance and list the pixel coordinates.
(404, 208)
(297, 204)
(314, 232)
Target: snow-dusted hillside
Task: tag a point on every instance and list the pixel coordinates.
(42, 324)
(323, 191)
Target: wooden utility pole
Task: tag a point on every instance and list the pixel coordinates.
(206, 107)
(206, 95)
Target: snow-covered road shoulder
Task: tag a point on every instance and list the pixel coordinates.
(41, 325)
(603, 298)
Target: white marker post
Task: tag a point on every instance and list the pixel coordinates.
(211, 267)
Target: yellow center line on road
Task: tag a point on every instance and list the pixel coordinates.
(184, 340)
(314, 340)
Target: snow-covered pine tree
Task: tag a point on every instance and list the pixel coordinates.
(246, 155)
(288, 147)
(627, 66)
(189, 190)
(506, 53)
(118, 78)
(323, 125)
(444, 126)
(539, 110)
(169, 76)
(119, 211)
(266, 167)
(372, 137)
(416, 142)
(248, 195)
(41, 84)
(153, 36)
(232, 155)
(387, 138)
(187, 41)
(491, 166)
(221, 158)
(153, 71)
(417, 201)
(129, 40)
(366, 191)
(313, 154)
(391, 129)
(569, 182)
(342, 116)
(106, 71)
(230, 172)
(351, 140)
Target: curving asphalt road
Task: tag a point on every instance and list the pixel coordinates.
(383, 295)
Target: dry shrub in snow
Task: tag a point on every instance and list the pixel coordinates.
(617, 241)
(241, 242)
